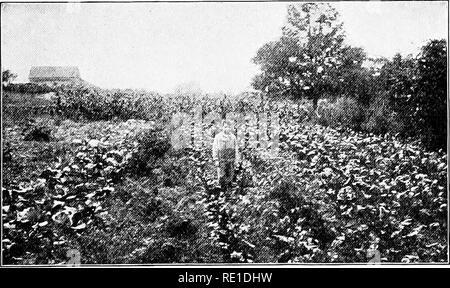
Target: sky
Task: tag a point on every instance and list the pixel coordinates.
(158, 46)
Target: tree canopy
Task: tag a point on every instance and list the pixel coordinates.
(310, 59)
(8, 76)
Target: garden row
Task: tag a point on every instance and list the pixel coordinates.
(331, 196)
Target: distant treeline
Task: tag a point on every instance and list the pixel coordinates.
(28, 88)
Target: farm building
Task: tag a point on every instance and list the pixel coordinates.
(55, 75)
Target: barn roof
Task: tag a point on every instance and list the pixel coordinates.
(54, 72)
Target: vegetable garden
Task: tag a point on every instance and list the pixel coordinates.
(126, 189)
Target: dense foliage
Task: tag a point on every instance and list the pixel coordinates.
(45, 217)
(125, 194)
(311, 61)
(31, 88)
(330, 196)
(430, 98)
(7, 77)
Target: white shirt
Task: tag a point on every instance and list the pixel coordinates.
(224, 141)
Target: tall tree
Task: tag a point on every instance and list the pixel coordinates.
(305, 61)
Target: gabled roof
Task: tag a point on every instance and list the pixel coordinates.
(54, 72)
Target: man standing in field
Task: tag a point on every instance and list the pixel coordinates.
(225, 153)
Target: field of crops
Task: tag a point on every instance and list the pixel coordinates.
(144, 190)
(331, 196)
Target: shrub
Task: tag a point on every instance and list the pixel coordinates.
(37, 132)
(180, 227)
(97, 104)
(345, 112)
(162, 251)
(31, 88)
(176, 169)
(380, 118)
(417, 88)
(429, 104)
(294, 205)
(152, 146)
(153, 208)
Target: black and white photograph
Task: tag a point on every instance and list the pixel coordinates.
(224, 133)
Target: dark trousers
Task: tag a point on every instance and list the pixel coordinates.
(226, 173)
